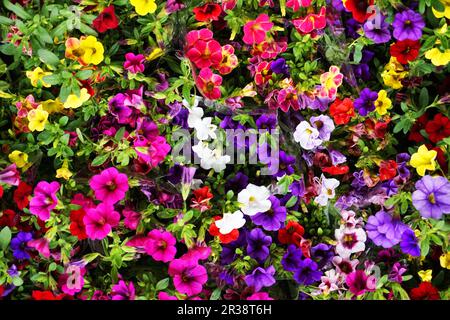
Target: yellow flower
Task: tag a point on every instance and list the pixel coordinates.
(445, 13)
(64, 171)
(19, 158)
(36, 76)
(73, 101)
(423, 159)
(437, 57)
(144, 7)
(393, 74)
(157, 52)
(92, 50)
(426, 275)
(37, 119)
(52, 106)
(383, 103)
(445, 260)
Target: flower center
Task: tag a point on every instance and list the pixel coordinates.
(111, 185)
(432, 198)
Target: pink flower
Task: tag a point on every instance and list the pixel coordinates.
(123, 291)
(188, 276)
(202, 50)
(288, 98)
(209, 84)
(99, 221)
(259, 296)
(10, 175)
(263, 73)
(358, 282)
(229, 60)
(109, 186)
(165, 296)
(132, 219)
(161, 245)
(41, 245)
(152, 151)
(134, 63)
(296, 4)
(255, 30)
(311, 22)
(44, 200)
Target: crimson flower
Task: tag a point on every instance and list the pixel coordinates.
(291, 234)
(22, 195)
(405, 51)
(438, 128)
(358, 8)
(336, 170)
(77, 226)
(425, 291)
(388, 170)
(209, 84)
(207, 12)
(106, 20)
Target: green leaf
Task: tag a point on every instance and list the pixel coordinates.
(291, 202)
(162, 284)
(423, 98)
(52, 79)
(119, 134)
(17, 9)
(48, 57)
(216, 294)
(17, 281)
(425, 246)
(88, 258)
(63, 121)
(5, 238)
(99, 160)
(84, 74)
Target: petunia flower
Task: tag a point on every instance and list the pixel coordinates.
(100, 220)
(432, 196)
(307, 136)
(109, 186)
(209, 84)
(44, 199)
(254, 199)
(255, 30)
(37, 119)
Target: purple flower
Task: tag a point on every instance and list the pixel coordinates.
(146, 128)
(358, 282)
(409, 243)
(378, 32)
(267, 121)
(396, 273)
(228, 254)
(180, 119)
(272, 219)
(188, 276)
(10, 175)
(307, 272)
(366, 101)
(432, 196)
(279, 66)
(123, 291)
(118, 109)
(322, 254)
(337, 157)
(237, 183)
(281, 165)
(260, 278)
(292, 258)
(258, 244)
(351, 27)
(324, 125)
(134, 63)
(44, 200)
(385, 230)
(297, 188)
(19, 245)
(390, 187)
(174, 5)
(408, 25)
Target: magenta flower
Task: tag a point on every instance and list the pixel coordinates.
(188, 276)
(359, 282)
(259, 296)
(99, 221)
(161, 245)
(165, 296)
(41, 245)
(44, 200)
(152, 151)
(132, 219)
(123, 291)
(109, 186)
(10, 175)
(134, 63)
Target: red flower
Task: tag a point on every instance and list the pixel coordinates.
(381, 129)
(208, 12)
(438, 128)
(1, 192)
(8, 218)
(224, 238)
(22, 195)
(425, 291)
(414, 134)
(358, 8)
(2, 289)
(106, 20)
(440, 158)
(201, 199)
(209, 84)
(77, 226)
(336, 170)
(388, 170)
(405, 51)
(291, 234)
(342, 110)
(45, 295)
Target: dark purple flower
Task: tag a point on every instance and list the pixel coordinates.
(292, 258)
(409, 243)
(228, 254)
(432, 196)
(258, 244)
(281, 165)
(385, 230)
(307, 272)
(272, 219)
(237, 183)
(377, 30)
(366, 101)
(396, 273)
(279, 66)
(261, 278)
(390, 187)
(351, 27)
(19, 245)
(408, 25)
(175, 173)
(118, 109)
(297, 188)
(267, 121)
(322, 254)
(180, 119)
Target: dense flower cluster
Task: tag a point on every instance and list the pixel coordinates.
(114, 184)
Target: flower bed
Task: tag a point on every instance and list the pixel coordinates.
(226, 149)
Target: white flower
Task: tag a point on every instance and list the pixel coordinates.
(211, 159)
(205, 129)
(230, 221)
(307, 136)
(195, 116)
(330, 282)
(327, 191)
(350, 240)
(254, 199)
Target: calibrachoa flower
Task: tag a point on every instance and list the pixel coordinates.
(134, 63)
(307, 272)
(366, 102)
(258, 244)
(106, 20)
(342, 110)
(209, 84)
(408, 25)
(144, 7)
(359, 282)
(254, 199)
(100, 220)
(44, 199)
(432, 197)
(109, 186)
(161, 245)
(307, 136)
(384, 229)
(19, 245)
(423, 160)
(188, 276)
(261, 278)
(255, 31)
(350, 240)
(311, 22)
